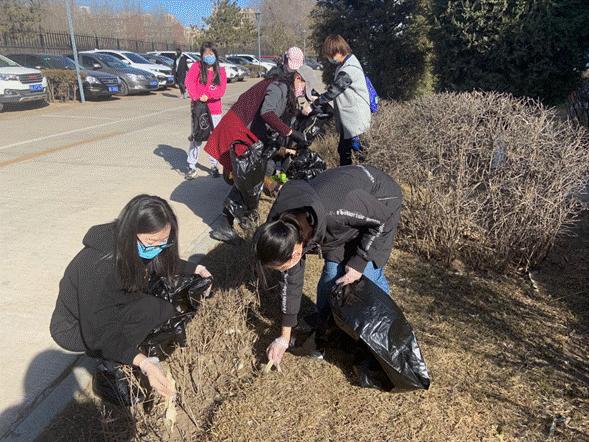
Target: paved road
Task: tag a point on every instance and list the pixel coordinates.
(64, 168)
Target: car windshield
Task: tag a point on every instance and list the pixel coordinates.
(111, 61)
(194, 55)
(135, 58)
(58, 62)
(164, 60)
(7, 62)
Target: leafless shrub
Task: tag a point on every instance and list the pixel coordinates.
(489, 179)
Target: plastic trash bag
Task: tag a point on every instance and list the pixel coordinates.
(185, 292)
(202, 122)
(110, 383)
(249, 170)
(305, 165)
(314, 124)
(367, 314)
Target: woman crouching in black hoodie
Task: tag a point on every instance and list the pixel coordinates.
(348, 215)
(102, 308)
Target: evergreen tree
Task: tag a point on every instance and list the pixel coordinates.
(528, 48)
(389, 37)
(228, 27)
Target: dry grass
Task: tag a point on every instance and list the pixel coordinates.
(508, 362)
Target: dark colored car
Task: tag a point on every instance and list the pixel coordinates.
(133, 81)
(158, 59)
(313, 64)
(95, 83)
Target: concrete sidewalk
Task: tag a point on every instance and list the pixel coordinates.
(62, 170)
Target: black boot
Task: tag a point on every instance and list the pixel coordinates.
(224, 231)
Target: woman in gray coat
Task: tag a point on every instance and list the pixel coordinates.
(350, 94)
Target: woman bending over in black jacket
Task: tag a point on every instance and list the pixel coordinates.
(102, 308)
(348, 215)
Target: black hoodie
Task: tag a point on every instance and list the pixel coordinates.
(94, 314)
(356, 210)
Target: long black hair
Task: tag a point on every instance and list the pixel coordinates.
(204, 67)
(144, 214)
(274, 242)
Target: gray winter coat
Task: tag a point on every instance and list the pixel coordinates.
(353, 104)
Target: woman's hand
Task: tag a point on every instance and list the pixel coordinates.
(276, 350)
(204, 98)
(202, 271)
(307, 109)
(152, 368)
(351, 276)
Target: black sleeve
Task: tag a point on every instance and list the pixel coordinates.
(339, 85)
(187, 267)
(364, 212)
(291, 293)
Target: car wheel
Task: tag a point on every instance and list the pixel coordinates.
(124, 88)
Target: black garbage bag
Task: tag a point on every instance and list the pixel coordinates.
(305, 165)
(367, 314)
(202, 122)
(185, 292)
(314, 125)
(111, 383)
(248, 179)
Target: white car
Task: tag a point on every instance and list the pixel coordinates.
(233, 72)
(254, 60)
(163, 73)
(19, 85)
(230, 69)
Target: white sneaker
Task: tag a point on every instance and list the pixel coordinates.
(191, 174)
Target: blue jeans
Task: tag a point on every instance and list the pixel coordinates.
(332, 271)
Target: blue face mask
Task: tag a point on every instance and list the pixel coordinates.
(150, 252)
(209, 59)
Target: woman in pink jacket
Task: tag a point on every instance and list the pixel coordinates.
(206, 81)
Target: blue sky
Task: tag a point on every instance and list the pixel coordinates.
(187, 11)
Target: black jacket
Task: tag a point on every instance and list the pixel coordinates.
(355, 210)
(180, 69)
(93, 314)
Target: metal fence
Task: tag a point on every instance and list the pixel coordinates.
(59, 43)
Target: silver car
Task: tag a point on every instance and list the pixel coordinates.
(133, 80)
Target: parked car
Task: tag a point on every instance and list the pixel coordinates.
(95, 83)
(254, 60)
(133, 81)
(19, 84)
(163, 73)
(313, 64)
(168, 54)
(232, 72)
(158, 59)
(241, 71)
(253, 69)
